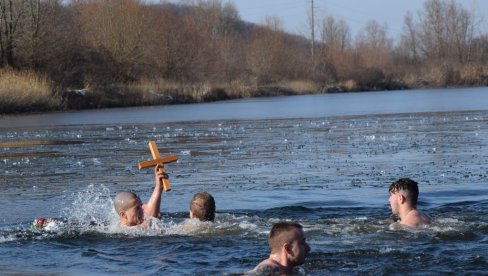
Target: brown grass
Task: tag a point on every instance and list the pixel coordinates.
(436, 76)
(349, 85)
(22, 91)
(300, 86)
(154, 91)
(163, 92)
(423, 77)
(241, 89)
(474, 75)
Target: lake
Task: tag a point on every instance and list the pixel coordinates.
(325, 161)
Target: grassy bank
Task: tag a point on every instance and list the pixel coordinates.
(28, 91)
(161, 92)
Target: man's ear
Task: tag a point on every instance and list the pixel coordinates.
(286, 248)
(122, 213)
(401, 198)
(192, 216)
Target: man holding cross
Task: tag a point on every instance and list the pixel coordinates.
(130, 208)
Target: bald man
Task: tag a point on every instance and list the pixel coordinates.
(288, 250)
(130, 208)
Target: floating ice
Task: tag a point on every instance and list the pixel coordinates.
(370, 137)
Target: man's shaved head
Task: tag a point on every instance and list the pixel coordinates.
(281, 233)
(124, 200)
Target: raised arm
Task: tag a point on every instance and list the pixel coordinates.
(152, 207)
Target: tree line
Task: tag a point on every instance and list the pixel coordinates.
(130, 52)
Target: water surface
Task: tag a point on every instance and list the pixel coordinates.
(299, 158)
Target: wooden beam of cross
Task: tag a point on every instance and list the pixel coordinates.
(158, 161)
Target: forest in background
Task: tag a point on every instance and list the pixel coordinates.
(77, 54)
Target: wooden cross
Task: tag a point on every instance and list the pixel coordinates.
(158, 161)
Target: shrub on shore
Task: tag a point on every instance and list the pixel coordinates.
(26, 91)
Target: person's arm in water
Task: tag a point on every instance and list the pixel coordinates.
(152, 207)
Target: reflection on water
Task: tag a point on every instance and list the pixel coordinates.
(330, 173)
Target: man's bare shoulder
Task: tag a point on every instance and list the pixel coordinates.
(416, 218)
(266, 267)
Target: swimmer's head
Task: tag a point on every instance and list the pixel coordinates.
(408, 188)
(288, 237)
(202, 206)
(129, 208)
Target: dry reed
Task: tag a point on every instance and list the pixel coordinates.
(25, 91)
(300, 86)
(349, 85)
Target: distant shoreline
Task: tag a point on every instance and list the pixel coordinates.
(116, 96)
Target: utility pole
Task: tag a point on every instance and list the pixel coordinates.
(312, 32)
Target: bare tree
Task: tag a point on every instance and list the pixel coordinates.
(11, 13)
(335, 47)
(274, 23)
(461, 30)
(409, 41)
(116, 26)
(216, 17)
(335, 34)
(39, 34)
(447, 30)
(374, 46)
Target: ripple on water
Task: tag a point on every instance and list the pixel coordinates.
(330, 174)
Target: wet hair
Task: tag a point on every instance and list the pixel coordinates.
(281, 233)
(202, 206)
(408, 188)
(123, 200)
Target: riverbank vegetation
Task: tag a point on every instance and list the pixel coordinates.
(22, 91)
(79, 54)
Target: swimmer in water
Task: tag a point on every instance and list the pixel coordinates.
(130, 208)
(403, 202)
(202, 207)
(288, 250)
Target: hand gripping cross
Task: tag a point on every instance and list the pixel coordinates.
(158, 161)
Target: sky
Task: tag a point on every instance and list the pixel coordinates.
(294, 13)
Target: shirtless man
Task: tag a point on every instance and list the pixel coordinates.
(130, 208)
(131, 211)
(288, 250)
(403, 202)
